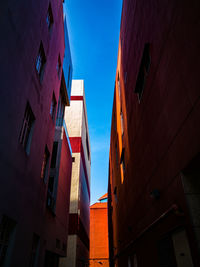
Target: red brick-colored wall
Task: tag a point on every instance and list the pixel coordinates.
(99, 235)
(161, 131)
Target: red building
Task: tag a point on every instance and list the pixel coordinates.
(154, 152)
(34, 204)
(99, 252)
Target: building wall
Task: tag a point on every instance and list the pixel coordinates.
(148, 201)
(76, 119)
(23, 193)
(99, 253)
(57, 218)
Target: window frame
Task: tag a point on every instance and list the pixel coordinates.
(59, 66)
(53, 107)
(45, 165)
(49, 18)
(40, 62)
(143, 71)
(26, 132)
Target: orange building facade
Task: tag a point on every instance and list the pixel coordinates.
(99, 252)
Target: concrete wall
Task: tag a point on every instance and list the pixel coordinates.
(161, 133)
(76, 119)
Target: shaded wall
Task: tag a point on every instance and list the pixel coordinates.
(160, 134)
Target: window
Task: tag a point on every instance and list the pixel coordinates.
(51, 184)
(45, 162)
(58, 67)
(49, 18)
(34, 251)
(54, 154)
(7, 226)
(119, 87)
(69, 74)
(60, 111)
(122, 122)
(87, 145)
(143, 71)
(122, 162)
(115, 194)
(50, 194)
(40, 62)
(53, 107)
(27, 129)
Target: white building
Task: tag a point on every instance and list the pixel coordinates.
(77, 124)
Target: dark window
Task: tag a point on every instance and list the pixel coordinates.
(69, 73)
(122, 161)
(119, 87)
(54, 154)
(49, 18)
(6, 234)
(115, 193)
(73, 159)
(143, 71)
(87, 145)
(27, 128)
(50, 194)
(53, 107)
(40, 62)
(122, 122)
(60, 111)
(34, 251)
(45, 162)
(51, 184)
(58, 67)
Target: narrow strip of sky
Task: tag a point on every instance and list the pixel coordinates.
(94, 27)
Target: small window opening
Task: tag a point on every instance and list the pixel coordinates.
(53, 107)
(40, 62)
(45, 162)
(27, 129)
(143, 71)
(87, 145)
(54, 154)
(58, 67)
(49, 18)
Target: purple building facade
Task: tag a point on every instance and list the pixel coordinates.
(33, 207)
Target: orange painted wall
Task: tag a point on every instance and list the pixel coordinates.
(99, 255)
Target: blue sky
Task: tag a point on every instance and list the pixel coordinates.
(93, 27)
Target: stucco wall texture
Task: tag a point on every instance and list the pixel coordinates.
(160, 135)
(99, 252)
(77, 124)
